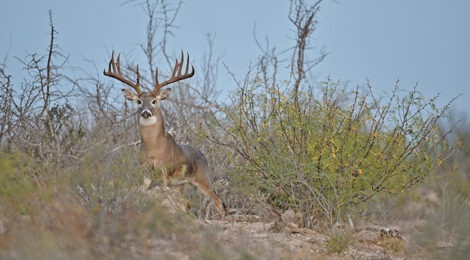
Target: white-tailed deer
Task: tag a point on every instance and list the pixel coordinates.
(159, 149)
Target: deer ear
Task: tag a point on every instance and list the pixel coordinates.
(129, 95)
(164, 93)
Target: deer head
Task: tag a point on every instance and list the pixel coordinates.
(148, 101)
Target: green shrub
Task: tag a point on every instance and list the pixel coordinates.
(327, 155)
(17, 182)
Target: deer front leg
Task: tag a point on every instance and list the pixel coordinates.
(166, 178)
(147, 180)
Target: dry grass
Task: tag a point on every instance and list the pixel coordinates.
(95, 211)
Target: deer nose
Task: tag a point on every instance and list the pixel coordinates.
(146, 114)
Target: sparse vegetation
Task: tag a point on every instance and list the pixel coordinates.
(393, 244)
(338, 242)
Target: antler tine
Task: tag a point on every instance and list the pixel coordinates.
(187, 63)
(181, 64)
(175, 69)
(110, 63)
(114, 71)
(175, 75)
(118, 65)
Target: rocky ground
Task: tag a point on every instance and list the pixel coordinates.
(264, 240)
(241, 236)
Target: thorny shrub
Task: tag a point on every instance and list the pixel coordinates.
(325, 153)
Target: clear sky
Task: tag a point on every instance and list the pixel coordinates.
(424, 41)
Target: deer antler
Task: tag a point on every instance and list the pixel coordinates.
(116, 73)
(176, 75)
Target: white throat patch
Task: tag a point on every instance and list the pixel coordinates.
(147, 121)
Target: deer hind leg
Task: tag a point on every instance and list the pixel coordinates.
(202, 182)
(177, 179)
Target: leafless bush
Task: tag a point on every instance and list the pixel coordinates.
(37, 115)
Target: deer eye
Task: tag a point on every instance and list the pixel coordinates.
(139, 101)
(154, 101)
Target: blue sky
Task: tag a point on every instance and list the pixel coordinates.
(424, 41)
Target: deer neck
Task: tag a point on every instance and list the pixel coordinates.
(152, 129)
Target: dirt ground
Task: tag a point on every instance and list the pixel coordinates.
(260, 239)
(241, 236)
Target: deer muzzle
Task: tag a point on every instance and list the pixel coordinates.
(146, 114)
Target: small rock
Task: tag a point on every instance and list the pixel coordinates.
(389, 232)
(291, 226)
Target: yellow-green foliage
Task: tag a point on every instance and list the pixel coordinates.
(325, 155)
(16, 185)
